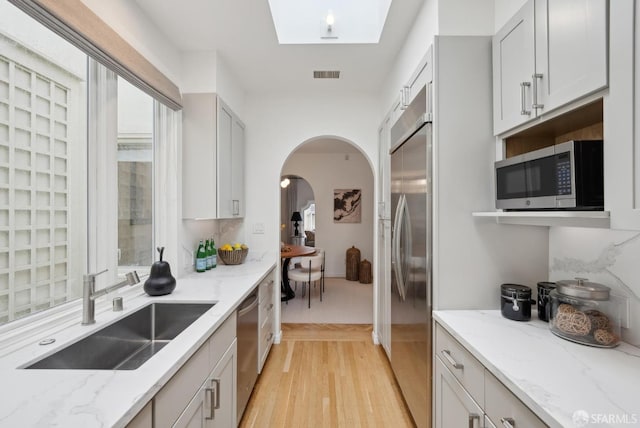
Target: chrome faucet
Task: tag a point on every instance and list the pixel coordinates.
(89, 293)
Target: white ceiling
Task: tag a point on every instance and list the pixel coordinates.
(242, 32)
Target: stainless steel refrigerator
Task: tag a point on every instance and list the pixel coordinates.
(411, 248)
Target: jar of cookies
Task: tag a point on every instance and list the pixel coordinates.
(582, 312)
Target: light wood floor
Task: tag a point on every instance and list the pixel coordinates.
(326, 375)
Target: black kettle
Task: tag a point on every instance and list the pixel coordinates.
(160, 281)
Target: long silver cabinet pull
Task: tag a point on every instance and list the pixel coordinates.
(534, 79)
(217, 400)
(523, 90)
(211, 402)
(447, 355)
(472, 418)
(404, 97)
(508, 422)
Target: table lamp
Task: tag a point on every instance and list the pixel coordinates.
(296, 217)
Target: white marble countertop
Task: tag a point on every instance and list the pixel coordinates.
(557, 379)
(106, 398)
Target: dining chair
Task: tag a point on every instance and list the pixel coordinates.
(310, 270)
(320, 251)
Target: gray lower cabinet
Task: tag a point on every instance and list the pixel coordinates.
(144, 418)
(266, 327)
(468, 395)
(203, 392)
(212, 404)
(454, 407)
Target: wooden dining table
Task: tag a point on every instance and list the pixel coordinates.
(286, 254)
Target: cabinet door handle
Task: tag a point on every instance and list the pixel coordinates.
(523, 106)
(534, 79)
(447, 356)
(216, 404)
(508, 422)
(473, 417)
(211, 393)
(236, 206)
(404, 97)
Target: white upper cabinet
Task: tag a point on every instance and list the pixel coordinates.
(212, 159)
(571, 50)
(421, 76)
(230, 163)
(551, 53)
(513, 65)
(622, 116)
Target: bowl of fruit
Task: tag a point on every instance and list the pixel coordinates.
(233, 254)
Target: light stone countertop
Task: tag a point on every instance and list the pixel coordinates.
(106, 398)
(554, 377)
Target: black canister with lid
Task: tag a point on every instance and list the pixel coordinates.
(515, 302)
(544, 288)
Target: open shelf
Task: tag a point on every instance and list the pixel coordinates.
(550, 218)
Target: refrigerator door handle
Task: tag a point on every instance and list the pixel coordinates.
(394, 242)
(399, 262)
(407, 247)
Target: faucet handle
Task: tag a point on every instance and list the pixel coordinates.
(132, 277)
(91, 276)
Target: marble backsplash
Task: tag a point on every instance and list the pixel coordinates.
(609, 257)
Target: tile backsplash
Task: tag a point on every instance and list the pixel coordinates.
(609, 257)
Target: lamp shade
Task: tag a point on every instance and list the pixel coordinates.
(296, 216)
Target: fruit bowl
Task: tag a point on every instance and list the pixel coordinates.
(233, 257)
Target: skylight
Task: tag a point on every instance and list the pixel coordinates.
(329, 21)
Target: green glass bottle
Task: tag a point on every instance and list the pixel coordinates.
(207, 250)
(214, 254)
(201, 258)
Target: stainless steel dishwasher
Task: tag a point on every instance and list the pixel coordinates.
(247, 336)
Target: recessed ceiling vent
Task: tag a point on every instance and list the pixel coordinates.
(326, 74)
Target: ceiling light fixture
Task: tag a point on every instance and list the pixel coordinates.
(284, 183)
(329, 32)
(330, 20)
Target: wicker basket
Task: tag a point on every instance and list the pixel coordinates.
(233, 257)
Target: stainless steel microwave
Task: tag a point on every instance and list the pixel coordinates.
(567, 176)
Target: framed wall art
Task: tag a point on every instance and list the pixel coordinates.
(347, 206)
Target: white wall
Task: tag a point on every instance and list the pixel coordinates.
(465, 17)
(199, 72)
(126, 18)
(276, 126)
(326, 172)
(503, 10)
(206, 71)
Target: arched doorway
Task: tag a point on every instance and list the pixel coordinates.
(333, 166)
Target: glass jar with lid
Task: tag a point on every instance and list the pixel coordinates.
(581, 311)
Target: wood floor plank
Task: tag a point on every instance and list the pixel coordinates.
(326, 375)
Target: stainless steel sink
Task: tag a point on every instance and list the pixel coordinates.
(129, 342)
